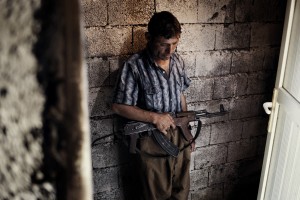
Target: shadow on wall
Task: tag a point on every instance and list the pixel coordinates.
(101, 108)
(246, 188)
(102, 103)
(114, 152)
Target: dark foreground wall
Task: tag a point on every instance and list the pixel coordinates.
(231, 48)
(44, 132)
(21, 104)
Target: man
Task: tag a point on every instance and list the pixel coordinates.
(151, 86)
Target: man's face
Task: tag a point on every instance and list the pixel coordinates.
(163, 48)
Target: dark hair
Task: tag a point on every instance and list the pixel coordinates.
(164, 24)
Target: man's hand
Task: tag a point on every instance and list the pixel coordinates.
(163, 122)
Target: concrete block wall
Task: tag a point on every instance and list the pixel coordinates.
(231, 48)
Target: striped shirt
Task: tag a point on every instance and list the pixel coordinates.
(145, 85)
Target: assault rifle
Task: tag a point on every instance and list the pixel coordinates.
(182, 119)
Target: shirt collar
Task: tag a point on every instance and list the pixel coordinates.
(150, 57)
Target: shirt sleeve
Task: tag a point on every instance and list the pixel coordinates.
(126, 90)
(185, 80)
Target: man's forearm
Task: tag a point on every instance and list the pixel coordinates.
(133, 112)
(163, 121)
(183, 102)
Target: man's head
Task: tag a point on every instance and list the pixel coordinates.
(164, 24)
(163, 35)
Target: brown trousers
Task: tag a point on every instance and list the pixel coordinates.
(165, 178)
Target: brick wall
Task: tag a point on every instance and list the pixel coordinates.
(231, 48)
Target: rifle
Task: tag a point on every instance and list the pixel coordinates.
(182, 119)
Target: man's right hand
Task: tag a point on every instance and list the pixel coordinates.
(163, 122)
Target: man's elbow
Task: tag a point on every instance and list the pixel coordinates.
(114, 107)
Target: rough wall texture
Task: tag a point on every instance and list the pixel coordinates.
(231, 48)
(21, 104)
(44, 132)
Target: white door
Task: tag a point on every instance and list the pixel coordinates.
(280, 178)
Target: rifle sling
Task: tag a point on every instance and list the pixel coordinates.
(199, 125)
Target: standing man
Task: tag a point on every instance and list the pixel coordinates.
(151, 86)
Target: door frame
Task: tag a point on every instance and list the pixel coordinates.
(289, 15)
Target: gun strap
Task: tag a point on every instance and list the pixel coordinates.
(199, 125)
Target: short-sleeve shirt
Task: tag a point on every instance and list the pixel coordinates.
(144, 84)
